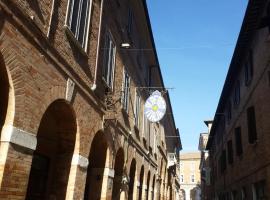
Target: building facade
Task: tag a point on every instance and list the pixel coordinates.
(190, 177)
(205, 169)
(74, 78)
(239, 139)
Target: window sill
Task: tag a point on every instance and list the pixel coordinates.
(75, 41)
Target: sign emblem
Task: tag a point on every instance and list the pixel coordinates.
(155, 107)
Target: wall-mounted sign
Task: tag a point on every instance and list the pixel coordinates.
(155, 107)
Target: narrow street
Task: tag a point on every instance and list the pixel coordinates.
(134, 100)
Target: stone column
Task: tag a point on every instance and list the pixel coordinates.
(77, 177)
(107, 184)
(16, 151)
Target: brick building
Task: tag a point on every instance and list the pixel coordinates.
(205, 169)
(239, 138)
(71, 106)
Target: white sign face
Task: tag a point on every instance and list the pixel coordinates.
(155, 107)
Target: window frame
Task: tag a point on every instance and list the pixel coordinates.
(238, 141)
(182, 178)
(125, 90)
(229, 111)
(249, 68)
(106, 79)
(230, 151)
(130, 21)
(68, 23)
(137, 108)
(252, 125)
(192, 178)
(237, 94)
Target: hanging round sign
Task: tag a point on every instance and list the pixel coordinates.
(155, 107)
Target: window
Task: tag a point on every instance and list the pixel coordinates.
(229, 111)
(192, 178)
(249, 68)
(78, 19)
(251, 120)
(238, 141)
(109, 60)
(230, 151)
(126, 88)
(259, 190)
(182, 178)
(243, 193)
(222, 162)
(146, 128)
(130, 21)
(237, 93)
(137, 108)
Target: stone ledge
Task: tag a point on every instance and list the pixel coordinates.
(77, 159)
(19, 137)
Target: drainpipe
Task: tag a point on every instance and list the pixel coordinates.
(51, 16)
(94, 85)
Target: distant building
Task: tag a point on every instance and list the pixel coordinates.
(190, 177)
(204, 163)
(239, 140)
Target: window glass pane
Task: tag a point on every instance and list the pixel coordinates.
(75, 15)
(83, 21)
(251, 120)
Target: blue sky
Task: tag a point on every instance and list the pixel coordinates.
(195, 40)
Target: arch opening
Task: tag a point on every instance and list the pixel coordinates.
(153, 187)
(95, 171)
(4, 94)
(132, 173)
(141, 182)
(182, 194)
(52, 158)
(118, 174)
(148, 186)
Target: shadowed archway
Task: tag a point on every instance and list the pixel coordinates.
(118, 169)
(153, 188)
(95, 171)
(132, 173)
(148, 186)
(52, 157)
(4, 93)
(141, 182)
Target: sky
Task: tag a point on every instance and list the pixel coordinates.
(195, 40)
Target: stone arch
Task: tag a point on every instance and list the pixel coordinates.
(118, 174)
(141, 182)
(132, 179)
(182, 194)
(52, 158)
(98, 160)
(147, 185)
